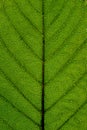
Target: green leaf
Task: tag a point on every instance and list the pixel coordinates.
(43, 65)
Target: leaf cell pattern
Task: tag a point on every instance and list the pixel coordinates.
(43, 65)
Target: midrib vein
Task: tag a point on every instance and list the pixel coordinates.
(43, 65)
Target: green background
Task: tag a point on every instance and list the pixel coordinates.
(23, 26)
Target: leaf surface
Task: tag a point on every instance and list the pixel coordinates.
(43, 65)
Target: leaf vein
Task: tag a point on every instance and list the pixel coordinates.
(66, 39)
(21, 12)
(67, 92)
(33, 6)
(20, 92)
(68, 62)
(21, 37)
(5, 122)
(17, 61)
(29, 118)
(73, 115)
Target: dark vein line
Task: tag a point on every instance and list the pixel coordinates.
(19, 34)
(18, 90)
(59, 13)
(64, 24)
(17, 61)
(55, 19)
(33, 6)
(73, 114)
(29, 118)
(43, 65)
(68, 62)
(6, 123)
(21, 12)
(66, 39)
(67, 92)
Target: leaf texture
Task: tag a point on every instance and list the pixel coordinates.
(43, 65)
